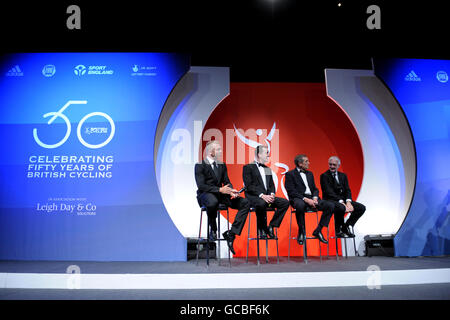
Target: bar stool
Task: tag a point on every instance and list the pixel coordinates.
(221, 207)
(305, 254)
(252, 209)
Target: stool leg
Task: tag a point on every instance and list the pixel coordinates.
(354, 243)
(218, 241)
(328, 244)
(257, 242)
(320, 247)
(305, 249)
(199, 235)
(337, 248)
(289, 238)
(228, 228)
(345, 243)
(248, 234)
(207, 243)
(276, 237)
(267, 249)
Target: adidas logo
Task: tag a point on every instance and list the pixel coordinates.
(15, 72)
(412, 76)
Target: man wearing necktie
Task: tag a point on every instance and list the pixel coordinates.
(335, 188)
(214, 187)
(260, 191)
(303, 195)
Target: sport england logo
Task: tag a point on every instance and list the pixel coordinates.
(80, 70)
(442, 76)
(412, 76)
(49, 70)
(15, 72)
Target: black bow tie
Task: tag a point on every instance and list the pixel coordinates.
(302, 171)
(261, 165)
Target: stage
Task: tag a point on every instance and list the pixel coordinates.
(352, 278)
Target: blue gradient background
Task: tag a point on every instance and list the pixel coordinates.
(426, 104)
(131, 223)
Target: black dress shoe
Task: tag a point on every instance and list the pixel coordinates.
(319, 236)
(300, 238)
(227, 235)
(212, 235)
(346, 230)
(270, 232)
(262, 234)
(340, 234)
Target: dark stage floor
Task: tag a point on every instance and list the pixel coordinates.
(413, 290)
(402, 292)
(238, 265)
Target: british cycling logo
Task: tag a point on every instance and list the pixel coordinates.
(90, 130)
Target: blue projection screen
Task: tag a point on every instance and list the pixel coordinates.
(422, 88)
(77, 171)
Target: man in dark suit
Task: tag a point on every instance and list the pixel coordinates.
(335, 188)
(303, 195)
(260, 191)
(214, 187)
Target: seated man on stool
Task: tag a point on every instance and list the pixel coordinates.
(336, 189)
(260, 191)
(214, 187)
(303, 195)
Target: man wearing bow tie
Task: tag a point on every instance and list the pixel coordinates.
(303, 195)
(336, 189)
(260, 190)
(214, 187)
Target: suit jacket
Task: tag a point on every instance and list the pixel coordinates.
(296, 188)
(332, 190)
(206, 179)
(253, 182)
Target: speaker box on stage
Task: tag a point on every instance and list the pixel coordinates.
(379, 245)
(192, 249)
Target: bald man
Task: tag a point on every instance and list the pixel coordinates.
(214, 188)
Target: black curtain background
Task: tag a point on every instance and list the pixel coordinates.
(260, 40)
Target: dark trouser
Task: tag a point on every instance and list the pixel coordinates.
(261, 211)
(339, 212)
(301, 207)
(211, 202)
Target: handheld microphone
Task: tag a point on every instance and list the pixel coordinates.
(243, 189)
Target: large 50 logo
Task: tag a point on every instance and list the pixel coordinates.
(59, 113)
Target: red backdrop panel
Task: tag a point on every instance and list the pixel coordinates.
(308, 122)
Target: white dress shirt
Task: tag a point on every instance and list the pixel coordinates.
(305, 181)
(263, 175)
(262, 172)
(211, 160)
(337, 179)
